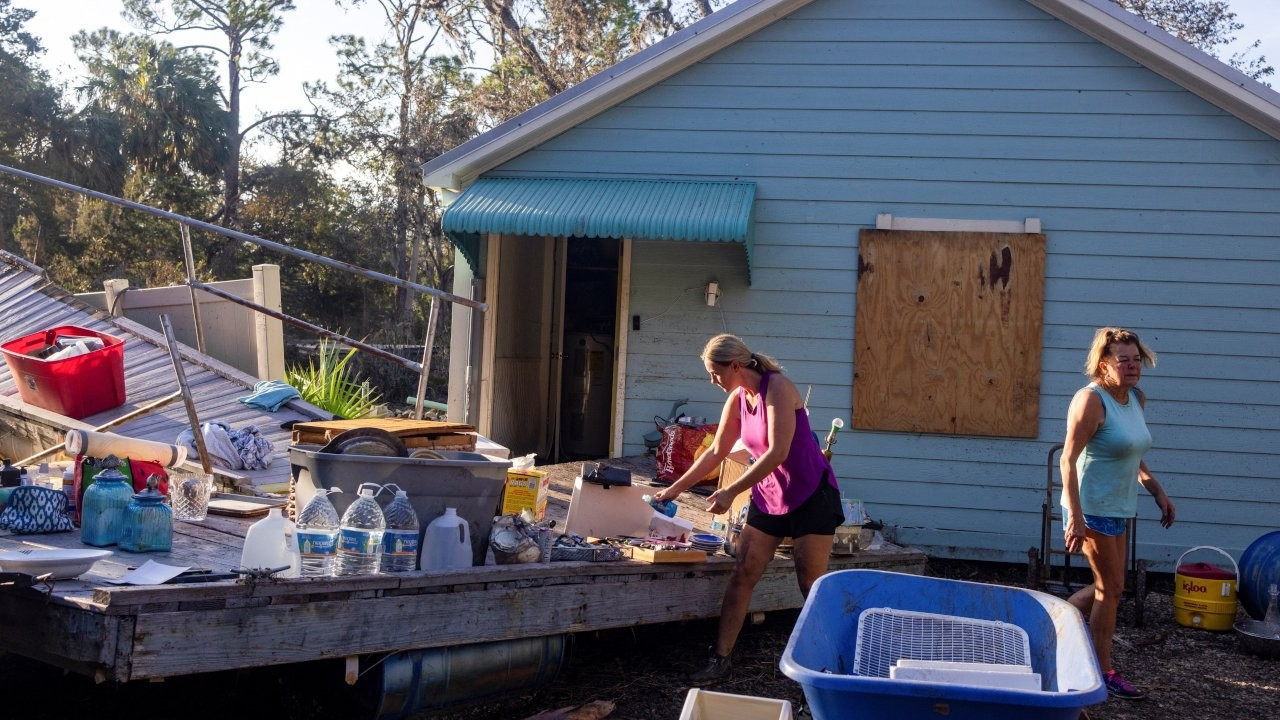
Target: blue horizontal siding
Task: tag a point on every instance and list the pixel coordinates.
(1161, 212)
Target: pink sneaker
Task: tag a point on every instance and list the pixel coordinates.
(1118, 687)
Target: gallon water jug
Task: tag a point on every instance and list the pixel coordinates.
(272, 543)
(447, 545)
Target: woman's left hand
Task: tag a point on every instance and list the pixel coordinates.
(718, 502)
(1167, 511)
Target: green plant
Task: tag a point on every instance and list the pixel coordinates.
(331, 384)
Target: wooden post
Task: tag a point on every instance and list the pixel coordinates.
(114, 296)
(268, 332)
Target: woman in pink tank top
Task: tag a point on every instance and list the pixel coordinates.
(793, 490)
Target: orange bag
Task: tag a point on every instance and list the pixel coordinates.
(681, 445)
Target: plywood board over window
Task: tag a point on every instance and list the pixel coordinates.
(948, 332)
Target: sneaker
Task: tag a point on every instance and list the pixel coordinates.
(717, 667)
(1118, 687)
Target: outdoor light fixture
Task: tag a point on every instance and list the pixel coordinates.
(713, 293)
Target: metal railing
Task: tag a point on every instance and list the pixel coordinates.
(185, 224)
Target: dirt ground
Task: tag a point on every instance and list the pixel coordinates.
(1189, 673)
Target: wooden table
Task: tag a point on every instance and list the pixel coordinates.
(112, 632)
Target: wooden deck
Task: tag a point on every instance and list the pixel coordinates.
(122, 633)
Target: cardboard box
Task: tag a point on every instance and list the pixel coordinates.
(731, 468)
(526, 489)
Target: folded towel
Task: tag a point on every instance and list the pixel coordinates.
(270, 395)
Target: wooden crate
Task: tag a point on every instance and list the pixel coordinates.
(650, 555)
(413, 433)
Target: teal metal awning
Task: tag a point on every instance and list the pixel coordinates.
(612, 208)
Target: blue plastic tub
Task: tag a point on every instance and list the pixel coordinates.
(820, 653)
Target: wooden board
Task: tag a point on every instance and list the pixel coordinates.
(242, 505)
(947, 334)
(650, 555)
(400, 427)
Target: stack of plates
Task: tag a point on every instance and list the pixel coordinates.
(708, 543)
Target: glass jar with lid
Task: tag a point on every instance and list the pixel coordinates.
(148, 522)
(102, 514)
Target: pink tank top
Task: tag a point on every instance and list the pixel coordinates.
(796, 479)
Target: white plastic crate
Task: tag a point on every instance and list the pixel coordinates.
(707, 705)
(887, 635)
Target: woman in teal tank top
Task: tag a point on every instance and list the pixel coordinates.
(1102, 467)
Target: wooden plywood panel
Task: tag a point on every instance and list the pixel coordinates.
(947, 332)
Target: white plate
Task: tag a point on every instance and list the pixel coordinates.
(60, 564)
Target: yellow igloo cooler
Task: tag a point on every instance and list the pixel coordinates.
(1205, 595)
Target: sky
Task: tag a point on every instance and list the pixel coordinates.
(304, 53)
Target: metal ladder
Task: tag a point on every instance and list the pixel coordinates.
(1043, 568)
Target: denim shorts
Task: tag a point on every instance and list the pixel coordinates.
(1109, 526)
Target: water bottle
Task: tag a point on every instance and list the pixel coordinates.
(448, 543)
(666, 507)
(318, 534)
(400, 542)
(360, 535)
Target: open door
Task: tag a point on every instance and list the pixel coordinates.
(553, 330)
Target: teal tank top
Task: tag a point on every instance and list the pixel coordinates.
(1108, 467)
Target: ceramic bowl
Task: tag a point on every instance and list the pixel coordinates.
(58, 564)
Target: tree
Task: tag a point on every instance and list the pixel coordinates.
(32, 131)
(247, 27)
(541, 47)
(1208, 24)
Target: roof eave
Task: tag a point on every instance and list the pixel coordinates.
(1177, 61)
(456, 169)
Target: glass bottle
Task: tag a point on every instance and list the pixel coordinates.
(148, 522)
(102, 517)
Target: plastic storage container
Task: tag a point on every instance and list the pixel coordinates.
(468, 481)
(1204, 595)
(820, 655)
(77, 386)
(707, 705)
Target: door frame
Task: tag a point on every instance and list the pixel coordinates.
(484, 423)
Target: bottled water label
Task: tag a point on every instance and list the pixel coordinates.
(359, 542)
(400, 542)
(317, 543)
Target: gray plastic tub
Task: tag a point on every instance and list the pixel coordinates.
(468, 481)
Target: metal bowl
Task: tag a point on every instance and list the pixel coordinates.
(1255, 638)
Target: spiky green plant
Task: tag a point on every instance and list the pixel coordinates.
(327, 382)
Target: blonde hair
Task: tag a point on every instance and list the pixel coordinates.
(1104, 338)
(725, 348)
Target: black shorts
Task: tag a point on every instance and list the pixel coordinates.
(821, 514)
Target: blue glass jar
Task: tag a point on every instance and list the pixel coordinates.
(102, 516)
(148, 522)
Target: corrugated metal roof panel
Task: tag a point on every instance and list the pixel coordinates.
(30, 303)
(702, 211)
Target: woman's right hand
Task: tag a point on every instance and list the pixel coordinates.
(661, 495)
(1074, 533)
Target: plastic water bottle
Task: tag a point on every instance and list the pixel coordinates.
(448, 543)
(666, 507)
(318, 534)
(360, 536)
(400, 542)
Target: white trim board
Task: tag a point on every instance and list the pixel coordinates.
(885, 221)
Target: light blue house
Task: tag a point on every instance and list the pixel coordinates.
(1087, 168)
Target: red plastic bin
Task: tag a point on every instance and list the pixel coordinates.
(77, 386)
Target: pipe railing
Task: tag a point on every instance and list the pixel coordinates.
(185, 223)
